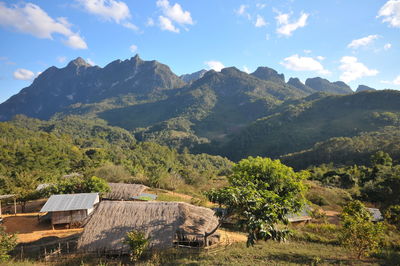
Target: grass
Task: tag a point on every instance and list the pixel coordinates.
(318, 233)
(264, 253)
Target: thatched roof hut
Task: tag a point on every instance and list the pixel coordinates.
(122, 191)
(165, 223)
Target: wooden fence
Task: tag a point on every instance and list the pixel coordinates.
(59, 250)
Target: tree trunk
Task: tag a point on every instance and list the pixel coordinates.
(206, 235)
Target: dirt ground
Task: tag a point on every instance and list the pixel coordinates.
(28, 228)
(228, 237)
(333, 217)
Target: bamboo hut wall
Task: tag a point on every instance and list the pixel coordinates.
(67, 217)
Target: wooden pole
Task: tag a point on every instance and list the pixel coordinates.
(0, 208)
(15, 205)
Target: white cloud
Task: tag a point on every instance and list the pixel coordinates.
(172, 14)
(246, 69)
(320, 58)
(23, 74)
(150, 22)
(130, 26)
(391, 13)
(260, 6)
(215, 65)
(352, 69)
(166, 24)
(75, 41)
(133, 48)
(117, 11)
(303, 63)
(61, 59)
(387, 46)
(307, 51)
(31, 19)
(396, 81)
(285, 27)
(241, 10)
(260, 22)
(362, 41)
(90, 61)
(267, 37)
(110, 10)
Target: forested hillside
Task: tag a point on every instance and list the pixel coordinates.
(51, 149)
(299, 125)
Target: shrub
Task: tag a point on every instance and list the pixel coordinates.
(392, 215)
(137, 242)
(317, 199)
(113, 173)
(359, 233)
(7, 243)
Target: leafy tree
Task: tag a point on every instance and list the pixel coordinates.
(261, 193)
(137, 242)
(359, 233)
(392, 215)
(381, 158)
(77, 184)
(95, 184)
(7, 243)
(23, 185)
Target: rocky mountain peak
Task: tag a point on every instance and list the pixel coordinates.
(267, 73)
(78, 62)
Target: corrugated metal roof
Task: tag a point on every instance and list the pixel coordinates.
(376, 214)
(302, 215)
(145, 196)
(70, 202)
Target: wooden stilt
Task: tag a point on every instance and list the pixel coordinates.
(15, 205)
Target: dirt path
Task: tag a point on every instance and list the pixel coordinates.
(29, 229)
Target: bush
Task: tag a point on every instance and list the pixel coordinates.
(317, 199)
(113, 173)
(137, 242)
(359, 233)
(7, 243)
(392, 215)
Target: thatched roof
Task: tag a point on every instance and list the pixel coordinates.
(121, 191)
(162, 222)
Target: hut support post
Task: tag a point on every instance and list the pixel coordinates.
(0, 208)
(15, 205)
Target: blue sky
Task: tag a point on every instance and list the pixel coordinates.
(357, 41)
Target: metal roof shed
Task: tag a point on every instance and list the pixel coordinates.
(70, 208)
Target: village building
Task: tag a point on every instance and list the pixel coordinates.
(303, 216)
(376, 214)
(7, 197)
(122, 191)
(165, 224)
(70, 209)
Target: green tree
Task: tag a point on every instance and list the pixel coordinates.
(359, 233)
(381, 158)
(137, 242)
(261, 193)
(392, 215)
(95, 184)
(7, 243)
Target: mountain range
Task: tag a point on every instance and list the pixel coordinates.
(230, 113)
